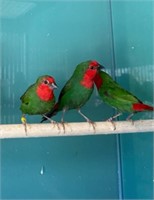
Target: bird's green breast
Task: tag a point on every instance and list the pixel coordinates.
(75, 97)
(33, 105)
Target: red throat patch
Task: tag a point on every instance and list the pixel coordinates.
(88, 78)
(44, 92)
(98, 81)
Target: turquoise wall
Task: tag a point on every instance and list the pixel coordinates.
(133, 46)
(51, 37)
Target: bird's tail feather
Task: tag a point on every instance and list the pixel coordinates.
(142, 107)
(51, 113)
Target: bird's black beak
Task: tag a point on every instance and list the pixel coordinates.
(53, 86)
(101, 67)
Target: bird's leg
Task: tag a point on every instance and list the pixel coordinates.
(87, 119)
(129, 118)
(24, 122)
(52, 121)
(62, 119)
(113, 117)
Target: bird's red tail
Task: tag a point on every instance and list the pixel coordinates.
(142, 107)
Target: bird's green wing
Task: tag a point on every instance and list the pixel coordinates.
(111, 89)
(67, 87)
(27, 95)
(120, 94)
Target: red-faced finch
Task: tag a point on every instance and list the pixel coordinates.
(77, 90)
(116, 96)
(39, 98)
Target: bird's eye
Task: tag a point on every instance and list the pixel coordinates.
(46, 82)
(92, 67)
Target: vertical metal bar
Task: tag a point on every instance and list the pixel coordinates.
(0, 102)
(119, 161)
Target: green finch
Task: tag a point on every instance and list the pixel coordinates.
(77, 90)
(116, 96)
(39, 98)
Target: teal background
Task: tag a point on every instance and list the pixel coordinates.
(51, 37)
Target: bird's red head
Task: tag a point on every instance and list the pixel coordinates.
(94, 63)
(90, 73)
(93, 68)
(46, 85)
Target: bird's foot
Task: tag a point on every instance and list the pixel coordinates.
(112, 118)
(112, 122)
(63, 125)
(87, 119)
(24, 122)
(55, 123)
(129, 118)
(93, 124)
(131, 121)
(52, 121)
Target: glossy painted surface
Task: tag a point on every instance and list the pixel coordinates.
(46, 37)
(133, 42)
(51, 37)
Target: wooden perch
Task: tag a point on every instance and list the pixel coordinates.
(74, 129)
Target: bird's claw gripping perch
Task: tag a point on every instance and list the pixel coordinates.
(88, 120)
(129, 118)
(112, 122)
(24, 122)
(52, 121)
(93, 125)
(55, 123)
(63, 125)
